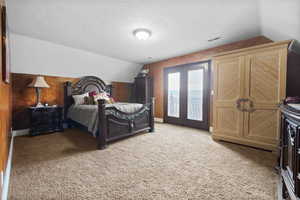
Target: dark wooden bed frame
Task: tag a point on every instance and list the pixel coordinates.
(113, 123)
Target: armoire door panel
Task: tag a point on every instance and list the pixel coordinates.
(229, 74)
(264, 86)
(263, 76)
(228, 121)
(262, 126)
(228, 87)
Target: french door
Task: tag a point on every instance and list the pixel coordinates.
(186, 95)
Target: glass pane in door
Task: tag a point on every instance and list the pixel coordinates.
(195, 95)
(173, 94)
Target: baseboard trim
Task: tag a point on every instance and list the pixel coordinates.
(22, 132)
(160, 120)
(8, 170)
(279, 189)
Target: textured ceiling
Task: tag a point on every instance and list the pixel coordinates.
(178, 27)
(105, 27)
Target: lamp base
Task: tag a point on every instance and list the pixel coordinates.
(38, 98)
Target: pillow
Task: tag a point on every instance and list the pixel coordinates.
(102, 95)
(93, 93)
(89, 100)
(79, 99)
(111, 100)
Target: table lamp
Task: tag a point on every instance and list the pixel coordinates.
(38, 83)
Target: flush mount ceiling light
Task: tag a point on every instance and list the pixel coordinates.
(142, 34)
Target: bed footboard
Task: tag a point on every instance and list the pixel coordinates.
(115, 124)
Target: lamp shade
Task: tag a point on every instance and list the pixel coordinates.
(39, 82)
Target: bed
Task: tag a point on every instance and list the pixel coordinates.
(106, 122)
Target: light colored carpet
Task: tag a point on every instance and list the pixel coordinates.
(172, 163)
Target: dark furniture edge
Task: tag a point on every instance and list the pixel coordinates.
(54, 124)
(292, 112)
(289, 186)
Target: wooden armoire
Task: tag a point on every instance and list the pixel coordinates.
(248, 86)
(143, 89)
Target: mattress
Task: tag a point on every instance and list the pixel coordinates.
(87, 115)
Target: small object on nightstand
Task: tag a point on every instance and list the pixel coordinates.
(45, 119)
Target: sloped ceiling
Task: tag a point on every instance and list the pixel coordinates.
(33, 56)
(105, 27)
(280, 20)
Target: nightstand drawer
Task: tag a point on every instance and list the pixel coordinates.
(45, 120)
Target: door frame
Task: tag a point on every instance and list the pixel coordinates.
(183, 96)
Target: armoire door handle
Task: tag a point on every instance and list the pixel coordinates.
(251, 104)
(239, 105)
(242, 100)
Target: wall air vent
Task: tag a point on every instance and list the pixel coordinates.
(214, 39)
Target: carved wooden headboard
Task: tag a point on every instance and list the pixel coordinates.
(84, 85)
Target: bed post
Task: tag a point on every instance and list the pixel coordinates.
(67, 99)
(152, 104)
(102, 129)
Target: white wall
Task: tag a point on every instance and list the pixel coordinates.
(33, 56)
(280, 19)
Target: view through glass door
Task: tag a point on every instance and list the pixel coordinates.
(187, 90)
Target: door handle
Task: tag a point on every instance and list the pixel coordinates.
(251, 104)
(242, 100)
(239, 106)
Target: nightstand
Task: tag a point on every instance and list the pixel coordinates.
(45, 119)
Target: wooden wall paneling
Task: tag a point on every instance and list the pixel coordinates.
(122, 91)
(5, 116)
(2, 93)
(23, 97)
(157, 74)
(156, 69)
